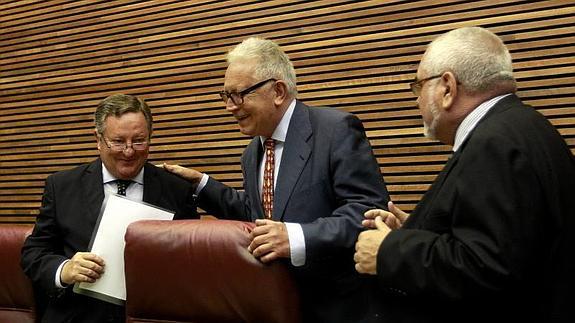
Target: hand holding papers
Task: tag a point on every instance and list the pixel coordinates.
(108, 242)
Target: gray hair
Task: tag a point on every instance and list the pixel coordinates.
(272, 61)
(477, 57)
(118, 104)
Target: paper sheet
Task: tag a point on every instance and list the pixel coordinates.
(108, 242)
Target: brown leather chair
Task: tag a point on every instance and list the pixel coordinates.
(16, 294)
(201, 271)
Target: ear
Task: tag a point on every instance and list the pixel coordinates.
(280, 87)
(98, 141)
(449, 90)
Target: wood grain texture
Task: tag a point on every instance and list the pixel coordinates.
(59, 58)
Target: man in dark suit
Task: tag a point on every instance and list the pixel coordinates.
(492, 239)
(325, 178)
(55, 255)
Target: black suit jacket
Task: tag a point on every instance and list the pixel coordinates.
(492, 239)
(70, 208)
(328, 178)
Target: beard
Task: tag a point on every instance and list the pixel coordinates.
(430, 130)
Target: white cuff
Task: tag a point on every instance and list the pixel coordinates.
(202, 184)
(57, 278)
(296, 244)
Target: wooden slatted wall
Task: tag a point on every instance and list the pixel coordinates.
(59, 58)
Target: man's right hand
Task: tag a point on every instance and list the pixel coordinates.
(189, 174)
(393, 218)
(83, 267)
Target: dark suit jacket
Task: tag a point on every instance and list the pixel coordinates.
(70, 208)
(492, 240)
(327, 179)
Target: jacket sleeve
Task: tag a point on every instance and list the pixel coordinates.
(224, 202)
(355, 184)
(42, 252)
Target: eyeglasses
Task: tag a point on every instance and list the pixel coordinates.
(417, 85)
(118, 145)
(238, 97)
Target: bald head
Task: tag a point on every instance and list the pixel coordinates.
(477, 57)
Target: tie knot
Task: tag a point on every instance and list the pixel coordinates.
(123, 185)
(269, 143)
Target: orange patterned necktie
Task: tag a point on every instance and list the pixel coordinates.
(268, 186)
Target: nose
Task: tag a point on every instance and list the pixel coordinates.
(231, 106)
(129, 151)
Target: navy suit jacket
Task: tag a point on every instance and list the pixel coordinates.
(70, 208)
(492, 239)
(328, 178)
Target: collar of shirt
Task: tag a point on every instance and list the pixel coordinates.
(472, 119)
(108, 177)
(280, 132)
(279, 135)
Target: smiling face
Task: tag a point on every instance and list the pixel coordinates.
(258, 114)
(129, 127)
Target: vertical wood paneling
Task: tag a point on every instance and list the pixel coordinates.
(59, 58)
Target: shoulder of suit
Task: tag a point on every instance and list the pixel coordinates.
(76, 171)
(69, 177)
(163, 174)
(516, 126)
(329, 113)
(513, 114)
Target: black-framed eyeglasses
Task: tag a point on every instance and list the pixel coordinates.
(238, 97)
(119, 145)
(417, 85)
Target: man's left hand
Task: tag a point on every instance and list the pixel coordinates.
(270, 241)
(367, 246)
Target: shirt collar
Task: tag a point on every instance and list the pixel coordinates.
(108, 177)
(472, 119)
(280, 132)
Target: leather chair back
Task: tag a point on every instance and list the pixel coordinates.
(16, 294)
(201, 271)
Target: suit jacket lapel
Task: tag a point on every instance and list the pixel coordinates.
(296, 153)
(253, 156)
(152, 185)
(92, 184)
(426, 203)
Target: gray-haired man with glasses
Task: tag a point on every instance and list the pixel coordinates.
(55, 255)
(492, 239)
(309, 174)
